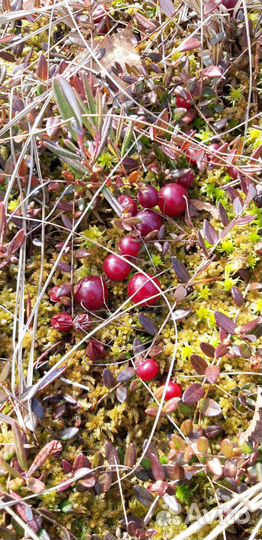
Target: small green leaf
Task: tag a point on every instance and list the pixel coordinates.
(67, 101)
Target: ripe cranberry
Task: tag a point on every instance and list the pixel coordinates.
(149, 221)
(91, 292)
(148, 197)
(59, 291)
(229, 4)
(148, 370)
(128, 204)
(186, 180)
(62, 322)
(82, 323)
(173, 390)
(143, 287)
(129, 246)
(183, 103)
(116, 268)
(172, 199)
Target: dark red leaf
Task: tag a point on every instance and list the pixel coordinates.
(237, 296)
(157, 467)
(193, 394)
(180, 270)
(225, 323)
(223, 214)
(207, 349)
(199, 364)
(210, 233)
(50, 449)
(126, 375)
(111, 454)
(148, 325)
(17, 241)
(143, 496)
(108, 378)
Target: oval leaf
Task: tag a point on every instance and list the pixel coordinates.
(212, 374)
(193, 394)
(210, 408)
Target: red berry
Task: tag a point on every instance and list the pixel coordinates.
(116, 268)
(143, 287)
(183, 103)
(82, 323)
(173, 390)
(57, 292)
(149, 221)
(172, 199)
(129, 246)
(91, 292)
(148, 370)
(229, 4)
(62, 322)
(128, 204)
(148, 197)
(186, 180)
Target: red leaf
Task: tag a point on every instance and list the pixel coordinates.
(42, 68)
(210, 233)
(190, 45)
(157, 467)
(167, 7)
(17, 241)
(207, 349)
(212, 72)
(212, 374)
(237, 296)
(50, 449)
(225, 323)
(193, 394)
(199, 364)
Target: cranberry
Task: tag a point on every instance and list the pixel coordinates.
(129, 246)
(148, 370)
(91, 292)
(57, 292)
(128, 204)
(173, 390)
(143, 287)
(229, 4)
(149, 221)
(183, 103)
(116, 268)
(172, 199)
(82, 322)
(148, 197)
(62, 322)
(186, 180)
